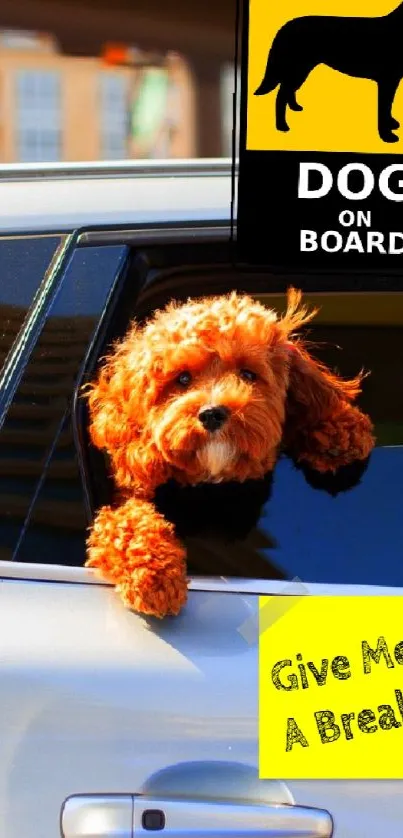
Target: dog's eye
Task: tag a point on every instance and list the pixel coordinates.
(248, 375)
(184, 379)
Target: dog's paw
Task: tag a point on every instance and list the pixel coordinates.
(154, 580)
(154, 592)
(295, 106)
(136, 549)
(389, 137)
(335, 483)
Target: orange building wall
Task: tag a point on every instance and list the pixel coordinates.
(80, 103)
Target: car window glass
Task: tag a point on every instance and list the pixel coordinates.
(24, 261)
(40, 488)
(355, 538)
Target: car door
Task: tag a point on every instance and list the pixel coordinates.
(112, 724)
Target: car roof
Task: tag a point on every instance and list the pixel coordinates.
(62, 197)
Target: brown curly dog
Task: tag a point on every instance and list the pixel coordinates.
(207, 391)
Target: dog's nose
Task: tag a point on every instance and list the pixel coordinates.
(213, 418)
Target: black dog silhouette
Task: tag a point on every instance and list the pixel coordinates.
(362, 47)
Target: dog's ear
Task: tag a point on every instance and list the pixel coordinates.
(118, 413)
(110, 397)
(324, 430)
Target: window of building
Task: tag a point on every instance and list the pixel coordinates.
(227, 91)
(114, 116)
(38, 116)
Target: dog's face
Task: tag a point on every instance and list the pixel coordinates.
(219, 408)
(200, 392)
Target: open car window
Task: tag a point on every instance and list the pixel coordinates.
(299, 530)
(290, 528)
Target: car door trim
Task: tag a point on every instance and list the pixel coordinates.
(167, 234)
(31, 572)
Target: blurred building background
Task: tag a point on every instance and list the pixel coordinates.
(98, 80)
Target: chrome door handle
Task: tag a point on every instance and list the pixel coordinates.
(126, 816)
(213, 819)
(97, 816)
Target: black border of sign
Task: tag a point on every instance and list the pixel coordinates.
(365, 279)
(242, 59)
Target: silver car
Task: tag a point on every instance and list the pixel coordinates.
(114, 725)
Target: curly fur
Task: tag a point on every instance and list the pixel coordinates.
(148, 423)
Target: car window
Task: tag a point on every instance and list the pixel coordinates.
(299, 530)
(24, 261)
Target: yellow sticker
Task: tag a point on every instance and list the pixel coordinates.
(331, 688)
(325, 76)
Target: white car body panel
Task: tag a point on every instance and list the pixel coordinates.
(47, 198)
(95, 699)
